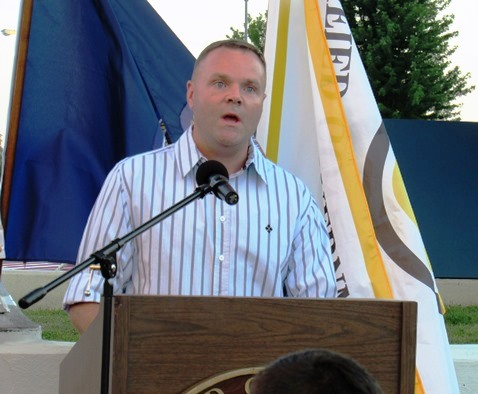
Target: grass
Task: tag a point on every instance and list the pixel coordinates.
(461, 324)
(55, 324)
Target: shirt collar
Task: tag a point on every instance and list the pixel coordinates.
(187, 154)
(257, 159)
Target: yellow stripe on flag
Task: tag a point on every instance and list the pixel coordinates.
(277, 96)
(401, 194)
(340, 136)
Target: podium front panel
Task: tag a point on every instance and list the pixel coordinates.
(170, 344)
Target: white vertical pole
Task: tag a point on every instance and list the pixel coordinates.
(245, 21)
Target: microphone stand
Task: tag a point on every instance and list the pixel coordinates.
(106, 258)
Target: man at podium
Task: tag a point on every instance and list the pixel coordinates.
(272, 242)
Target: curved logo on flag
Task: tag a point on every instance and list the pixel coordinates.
(387, 236)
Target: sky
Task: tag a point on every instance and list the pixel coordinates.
(209, 20)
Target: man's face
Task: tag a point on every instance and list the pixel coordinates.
(226, 96)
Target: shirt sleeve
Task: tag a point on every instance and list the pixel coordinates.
(311, 270)
(107, 221)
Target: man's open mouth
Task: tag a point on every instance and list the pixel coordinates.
(231, 118)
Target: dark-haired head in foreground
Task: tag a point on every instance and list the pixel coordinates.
(315, 371)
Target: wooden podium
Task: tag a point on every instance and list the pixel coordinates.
(190, 345)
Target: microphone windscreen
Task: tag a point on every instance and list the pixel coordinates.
(208, 169)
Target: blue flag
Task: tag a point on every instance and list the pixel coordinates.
(103, 80)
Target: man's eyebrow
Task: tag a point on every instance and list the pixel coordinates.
(219, 75)
(254, 81)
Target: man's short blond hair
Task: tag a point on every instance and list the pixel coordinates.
(231, 44)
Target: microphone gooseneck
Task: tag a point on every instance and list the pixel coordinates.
(214, 174)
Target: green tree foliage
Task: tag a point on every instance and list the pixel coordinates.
(256, 31)
(405, 47)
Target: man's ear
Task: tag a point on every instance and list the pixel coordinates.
(190, 93)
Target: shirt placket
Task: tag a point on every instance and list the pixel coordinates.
(223, 257)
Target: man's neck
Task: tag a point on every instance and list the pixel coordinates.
(233, 159)
(232, 162)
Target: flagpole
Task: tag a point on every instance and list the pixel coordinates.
(14, 117)
(245, 20)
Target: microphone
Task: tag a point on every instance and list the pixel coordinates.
(214, 174)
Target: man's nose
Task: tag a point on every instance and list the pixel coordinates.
(234, 94)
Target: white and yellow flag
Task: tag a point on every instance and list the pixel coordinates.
(322, 123)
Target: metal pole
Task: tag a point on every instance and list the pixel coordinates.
(245, 21)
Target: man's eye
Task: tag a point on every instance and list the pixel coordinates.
(250, 89)
(219, 84)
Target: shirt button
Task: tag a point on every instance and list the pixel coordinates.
(221, 258)
(222, 219)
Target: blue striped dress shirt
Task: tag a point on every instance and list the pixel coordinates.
(272, 243)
